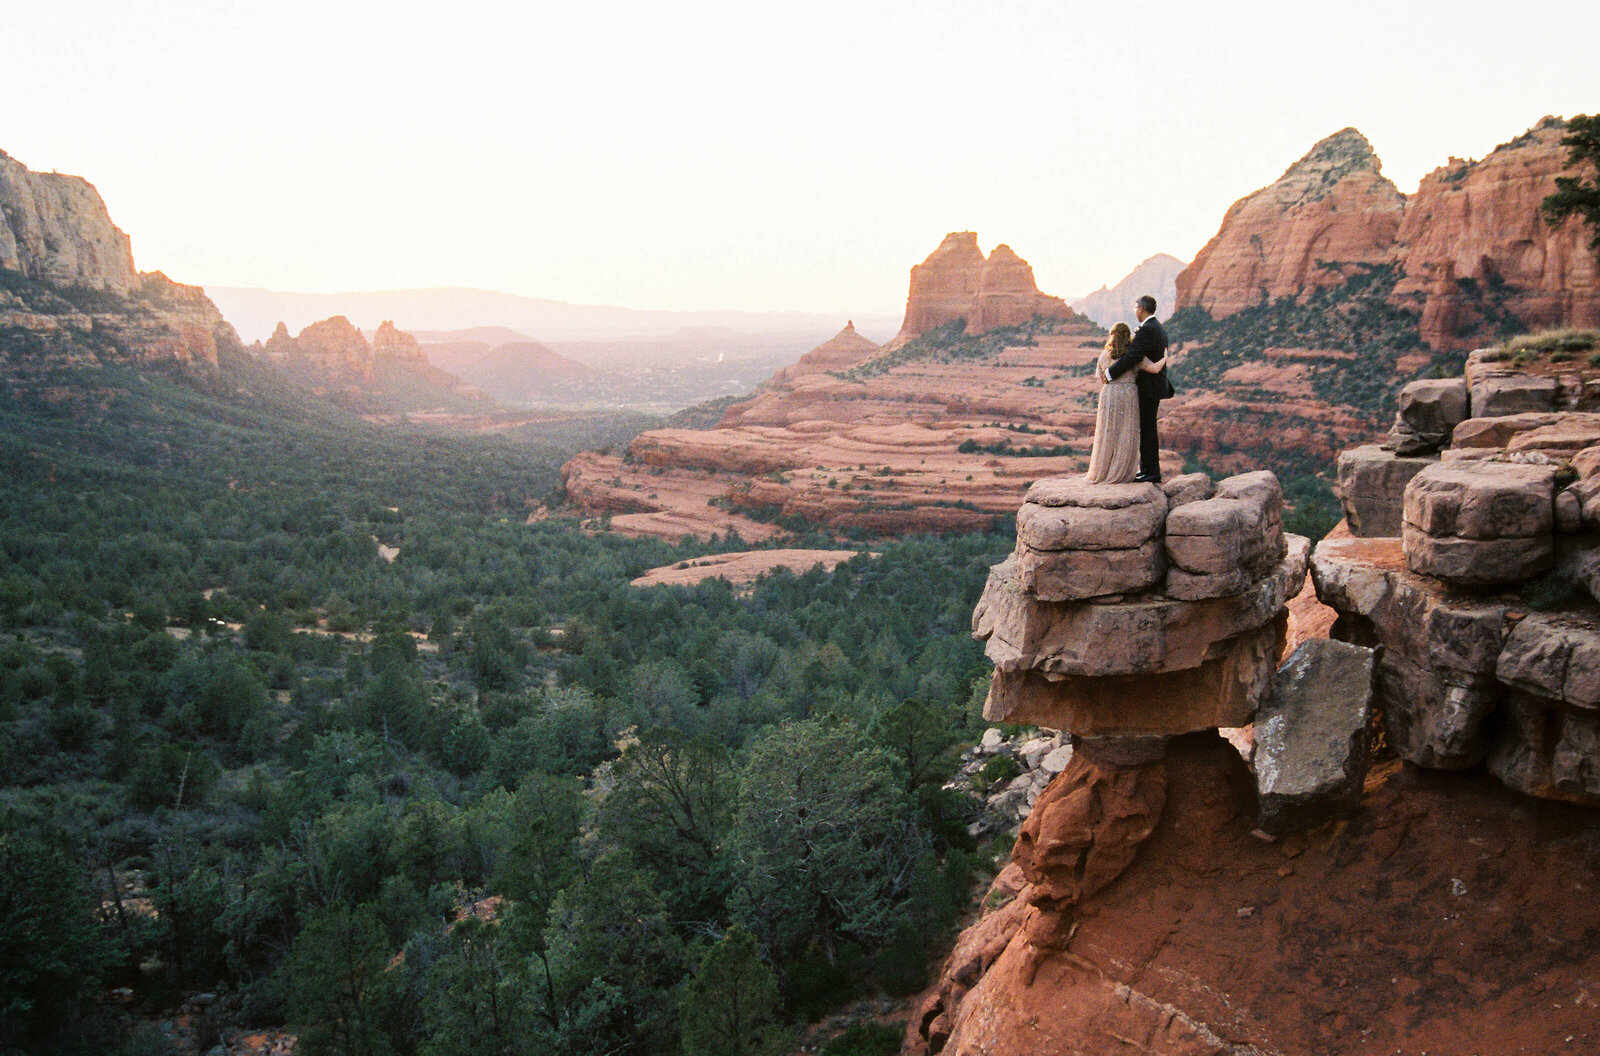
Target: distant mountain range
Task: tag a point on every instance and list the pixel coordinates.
(255, 312)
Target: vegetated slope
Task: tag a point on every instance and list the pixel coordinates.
(283, 692)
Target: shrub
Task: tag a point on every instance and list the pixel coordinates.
(867, 1039)
(998, 771)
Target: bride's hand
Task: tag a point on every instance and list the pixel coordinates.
(1153, 368)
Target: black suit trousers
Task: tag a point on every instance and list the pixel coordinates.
(1149, 442)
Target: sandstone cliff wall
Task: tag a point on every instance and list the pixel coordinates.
(957, 281)
(1472, 253)
(56, 229)
(75, 290)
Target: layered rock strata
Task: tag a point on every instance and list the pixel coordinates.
(1496, 526)
(957, 281)
(74, 289)
(1128, 611)
(55, 229)
(1469, 248)
(1333, 207)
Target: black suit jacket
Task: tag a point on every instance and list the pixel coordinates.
(1149, 342)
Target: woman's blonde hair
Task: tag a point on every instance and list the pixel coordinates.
(1121, 337)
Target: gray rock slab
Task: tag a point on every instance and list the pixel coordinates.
(1311, 736)
(1482, 500)
(1372, 487)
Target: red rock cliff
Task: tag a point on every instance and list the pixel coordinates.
(56, 229)
(391, 342)
(56, 232)
(1473, 240)
(1470, 248)
(956, 281)
(1332, 206)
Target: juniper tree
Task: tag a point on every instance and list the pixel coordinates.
(1578, 194)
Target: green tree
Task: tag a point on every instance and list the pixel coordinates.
(1579, 195)
(335, 984)
(825, 837)
(613, 964)
(478, 999)
(671, 806)
(925, 738)
(52, 952)
(730, 1007)
(532, 838)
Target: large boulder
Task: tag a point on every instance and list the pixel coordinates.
(1436, 684)
(1372, 487)
(1428, 410)
(1495, 393)
(1077, 540)
(1311, 736)
(1499, 431)
(1480, 523)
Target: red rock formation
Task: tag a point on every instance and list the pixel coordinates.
(1420, 926)
(842, 351)
(394, 344)
(280, 345)
(957, 282)
(1470, 246)
(335, 349)
(1473, 237)
(55, 228)
(1333, 206)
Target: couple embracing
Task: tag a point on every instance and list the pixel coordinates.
(1133, 368)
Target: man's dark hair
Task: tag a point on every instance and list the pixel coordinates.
(1148, 303)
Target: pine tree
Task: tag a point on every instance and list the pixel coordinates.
(1575, 194)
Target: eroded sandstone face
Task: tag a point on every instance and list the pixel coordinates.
(81, 289)
(1119, 614)
(1497, 525)
(55, 228)
(1473, 225)
(956, 281)
(1334, 206)
(392, 343)
(1469, 246)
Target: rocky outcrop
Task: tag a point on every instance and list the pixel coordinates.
(55, 229)
(1333, 207)
(1388, 934)
(1499, 523)
(1470, 249)
(842, 351)
(1473, 245)
(1156, 276)
(1095, 626)
(1311, 737)
(331, 351)
(394, 345)
(75, 292)
(957, 281)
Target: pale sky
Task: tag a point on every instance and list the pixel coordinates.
(707, 154)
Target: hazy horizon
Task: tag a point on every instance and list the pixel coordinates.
(719, 156)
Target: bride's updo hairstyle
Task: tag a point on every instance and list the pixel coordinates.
(1121, 337)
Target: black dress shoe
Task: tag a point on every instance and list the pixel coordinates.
(1146, 478)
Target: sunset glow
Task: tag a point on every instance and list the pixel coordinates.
(719, 154)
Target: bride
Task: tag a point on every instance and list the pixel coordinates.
(1115, 458)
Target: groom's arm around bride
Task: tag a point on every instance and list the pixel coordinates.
(1149, 344)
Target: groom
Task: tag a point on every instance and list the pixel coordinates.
(1149, 342)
